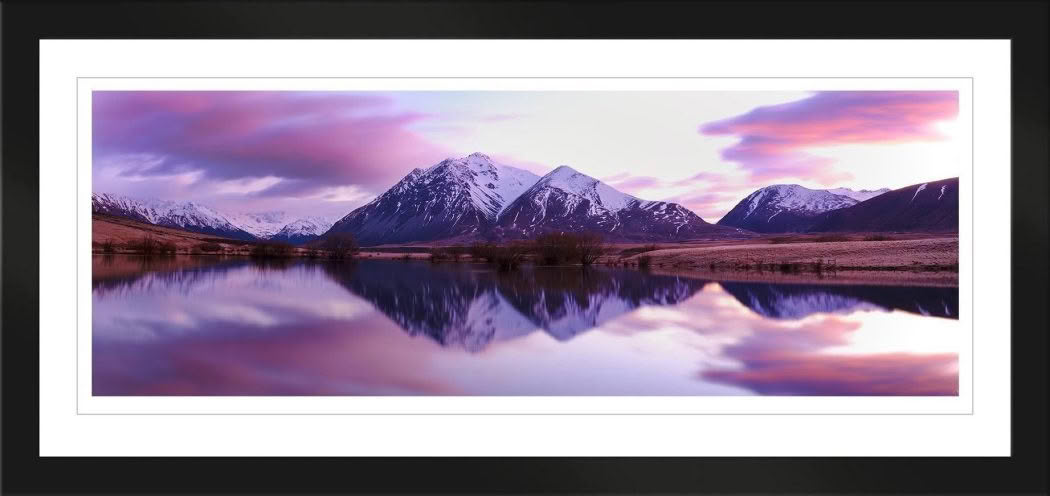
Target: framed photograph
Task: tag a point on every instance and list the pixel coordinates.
(311, 248)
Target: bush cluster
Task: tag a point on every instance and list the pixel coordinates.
(272, 250)
(209, 247)
(340, 245)
(107, 246)
(568, 248)
(447, 254)
(505, 257)
(148, 245)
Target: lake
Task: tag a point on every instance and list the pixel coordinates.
(213, 326)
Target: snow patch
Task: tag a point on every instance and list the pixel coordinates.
(917, 192)
(861, 195)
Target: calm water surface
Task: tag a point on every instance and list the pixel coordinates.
(207, 326)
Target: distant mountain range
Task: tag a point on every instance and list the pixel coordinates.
(783, 208)
(462, 200)
(473, 198)
(194, 217)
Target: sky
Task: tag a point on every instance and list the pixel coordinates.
(326, 153)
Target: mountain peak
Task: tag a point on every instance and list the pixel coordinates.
(783, 208)
(563, 170)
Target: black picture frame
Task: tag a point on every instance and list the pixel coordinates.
(25, 23)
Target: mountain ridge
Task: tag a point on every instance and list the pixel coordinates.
(781, 208)
(198, 218)
(924, 207)
(474, 198)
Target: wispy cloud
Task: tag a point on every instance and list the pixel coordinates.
(302, 142)
(774, 140)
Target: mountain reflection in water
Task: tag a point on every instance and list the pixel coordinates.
(227, 327)
(472, 307)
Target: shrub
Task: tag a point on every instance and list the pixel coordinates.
(340, 245)
(167, 248)
(209, 247)
(589, 247)
(107, 246)
(272, 250)
(441, 255)
(559, 248)
(554, 248)
(483, 251)
(877, 237)
(510, 256)
(645, 261)
(456, 252)
(146, 245)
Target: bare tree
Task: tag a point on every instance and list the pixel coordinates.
(589, 247)
(340, 245)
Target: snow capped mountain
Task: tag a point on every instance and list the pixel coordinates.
(495, 186)
(569, 201)
(926, 207)
(862, 195)
(602, 197)
(189, 216)
(473, 197)
(784, 208)
(199, 218)
(455, 197)
(302, 230)
(262, 225)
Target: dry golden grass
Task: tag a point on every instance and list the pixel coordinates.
(907, 254)
(120, 231)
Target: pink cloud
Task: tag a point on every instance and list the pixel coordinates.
(774, 139)
(311, 139)
(707, 195)
(870, 375)
(780, 358)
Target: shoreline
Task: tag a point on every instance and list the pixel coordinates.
(844, 277)
(892, 258)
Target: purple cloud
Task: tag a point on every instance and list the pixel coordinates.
(774, 139)
(311, 140)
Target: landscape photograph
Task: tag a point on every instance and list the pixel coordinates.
(525, 243)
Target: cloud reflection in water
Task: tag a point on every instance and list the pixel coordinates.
(397, 328)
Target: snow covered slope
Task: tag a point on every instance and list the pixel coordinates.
(456, 197)
(783, 208)
(861, 195)
(262, 225)
(566, 200)
(302, 230)
(199, 218)
(189, 216)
